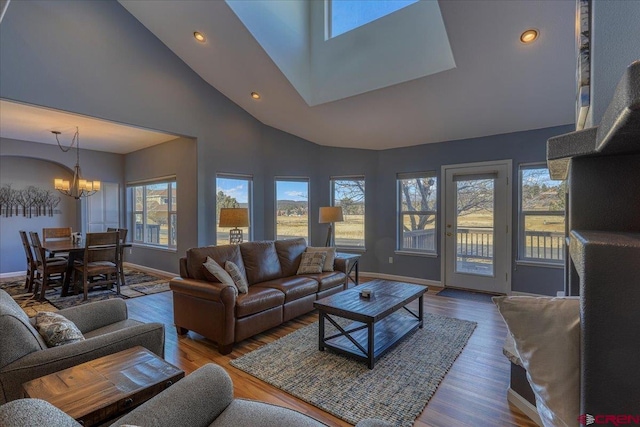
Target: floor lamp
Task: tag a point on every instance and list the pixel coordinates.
(330, 214)
(234, 217)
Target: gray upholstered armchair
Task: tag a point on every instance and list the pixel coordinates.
(201, 399)
(105, 325)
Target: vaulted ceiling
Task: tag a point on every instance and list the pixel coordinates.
(498, 85)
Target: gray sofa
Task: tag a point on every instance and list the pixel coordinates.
(105, 325)
(204, 398)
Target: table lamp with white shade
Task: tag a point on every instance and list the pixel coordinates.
(330, 214)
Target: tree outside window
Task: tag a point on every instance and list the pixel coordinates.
(348, 192)
(542, 221)
(417, 200)
(233, 191)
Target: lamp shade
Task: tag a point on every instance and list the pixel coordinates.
(330, 214)
(234, 217)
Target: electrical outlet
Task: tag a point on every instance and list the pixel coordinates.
(390, 260)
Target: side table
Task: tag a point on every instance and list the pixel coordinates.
(351, 261)
(105, 388)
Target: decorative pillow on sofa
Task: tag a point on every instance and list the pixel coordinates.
(329, 260)
(546, 331)
(56, 329)
(219, 273)
(312, 262)
(238, 278)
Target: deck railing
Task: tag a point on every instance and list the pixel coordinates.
(478, 243)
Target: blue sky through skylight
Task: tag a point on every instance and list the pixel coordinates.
(347, 15)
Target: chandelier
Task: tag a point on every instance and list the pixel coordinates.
(77, 187)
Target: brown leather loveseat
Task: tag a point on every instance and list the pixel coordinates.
(276, 294)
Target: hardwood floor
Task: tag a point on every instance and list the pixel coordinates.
(473, 393)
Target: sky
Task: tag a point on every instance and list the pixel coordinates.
(285, 190)
(347, 15)
(292, 190)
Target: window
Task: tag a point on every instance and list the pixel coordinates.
(348, 192)
(542, 203)
(155, 213)
(292, 208)
(346, 15)
(233, 191)
(417, 198)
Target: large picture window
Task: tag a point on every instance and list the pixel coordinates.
(233, 191)
(348, 193)
(417, 198)
(155, 213)
(542, 206)
(292, 208)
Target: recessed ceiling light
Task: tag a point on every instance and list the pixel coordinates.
(255, 95)
(529, 36)
(199, 36)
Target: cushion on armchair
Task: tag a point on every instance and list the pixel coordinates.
(546, 332)
(56, 329)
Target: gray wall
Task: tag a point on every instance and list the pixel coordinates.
(177, 157)
(129, 76)
(21, 172)
(615, 44)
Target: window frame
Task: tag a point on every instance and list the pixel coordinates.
(172, 186)
(275, 206)
(401, 213)
(522, 259)
(332, 202)
(248, 237)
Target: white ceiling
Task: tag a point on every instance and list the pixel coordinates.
(30, 123)
(499, 85)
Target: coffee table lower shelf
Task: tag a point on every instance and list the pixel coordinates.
(386, 334)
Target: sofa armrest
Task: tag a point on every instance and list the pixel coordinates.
(94, 315)
(197, 399)
(340, 264)
(213, 291)
(33, 412)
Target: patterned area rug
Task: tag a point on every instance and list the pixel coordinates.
(396, 390)
(137, 284)
(468, 295)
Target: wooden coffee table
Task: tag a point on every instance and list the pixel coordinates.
(378, 325)
(104, 388)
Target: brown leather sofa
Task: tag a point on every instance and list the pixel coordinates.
(276, 294)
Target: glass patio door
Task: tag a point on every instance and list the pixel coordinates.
(477, 219)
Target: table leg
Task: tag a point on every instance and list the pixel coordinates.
(421, 310)
(321, 330)
(73, 256)
(371, 344)
(357, 281)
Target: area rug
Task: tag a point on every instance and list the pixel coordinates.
(137, 284)
(396, 390)
(468, 295)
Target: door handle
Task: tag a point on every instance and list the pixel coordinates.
(449, 234)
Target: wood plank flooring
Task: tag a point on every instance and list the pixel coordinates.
(473, 393)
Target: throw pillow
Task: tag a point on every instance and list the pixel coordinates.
(329, 260)
(56, 329)
(238, 278)
(546, 332)
(312, 262)
(219, 273)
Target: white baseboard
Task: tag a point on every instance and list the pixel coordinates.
(524, 406)
(12, 274)
(150, 270)
(401, 278)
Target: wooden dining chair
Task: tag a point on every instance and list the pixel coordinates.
(56, 233)
(123, 238)
(32, 266)
(46, 268)
(100, 260)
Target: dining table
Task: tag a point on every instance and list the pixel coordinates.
(75, 250)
